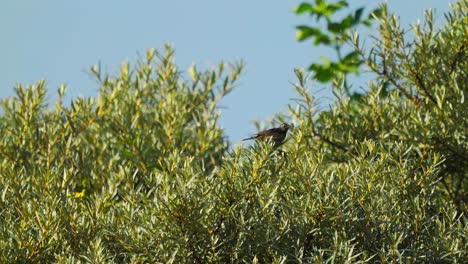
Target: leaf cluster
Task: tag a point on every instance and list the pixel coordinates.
(336, 32)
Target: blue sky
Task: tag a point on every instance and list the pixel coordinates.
(58, 40)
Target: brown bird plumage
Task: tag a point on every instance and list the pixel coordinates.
(276, 135)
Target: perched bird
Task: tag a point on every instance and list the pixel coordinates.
(276, 135)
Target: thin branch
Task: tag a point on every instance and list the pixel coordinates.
(457, 57)
(334, 144)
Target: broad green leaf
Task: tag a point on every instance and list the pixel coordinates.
(303, 8)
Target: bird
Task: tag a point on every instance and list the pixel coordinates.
(276, 135)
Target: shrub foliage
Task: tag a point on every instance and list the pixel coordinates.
(143, 173)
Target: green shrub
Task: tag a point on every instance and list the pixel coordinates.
(144, 174)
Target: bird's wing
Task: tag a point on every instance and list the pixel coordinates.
(270, 132)
(265, 133)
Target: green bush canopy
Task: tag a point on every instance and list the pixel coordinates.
(143, 173)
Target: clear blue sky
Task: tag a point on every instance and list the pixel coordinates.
(58, 40)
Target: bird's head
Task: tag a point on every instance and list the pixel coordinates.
(284, 127)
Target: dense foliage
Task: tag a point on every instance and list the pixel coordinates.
(143, 173)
